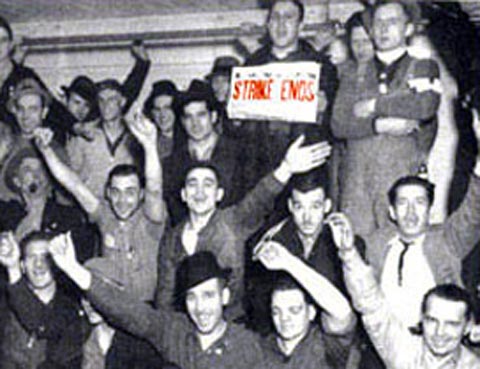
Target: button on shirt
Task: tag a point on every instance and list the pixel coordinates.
(416, 276)
(133, 244)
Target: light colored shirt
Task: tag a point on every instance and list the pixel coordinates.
(94, 159)
(133, 245)
(417, 278)
(396, 345)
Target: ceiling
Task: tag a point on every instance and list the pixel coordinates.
(41, 10)
(19, 11)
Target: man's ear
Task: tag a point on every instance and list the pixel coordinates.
(183, 195)
(45, 112)
(290, 205)
(328, 205)
(220, 194)
(410, 29)
(226, 294)
(391, 213)
(123, 101)
(214, 116)
(312, 312)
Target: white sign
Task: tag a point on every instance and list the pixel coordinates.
(277, 91)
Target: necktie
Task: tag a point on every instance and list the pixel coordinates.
(401, 260)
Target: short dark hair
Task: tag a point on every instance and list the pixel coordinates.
(306, 182)
(203, 165)
(297, 3)
(450, 292)
(33, 236)
(6, 26)
(285, 282)
(411, 181)
(126, 170)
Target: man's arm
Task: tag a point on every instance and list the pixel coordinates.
(391, 338)
(250, 212)
(462, 228)
(161, 329)
(64, 174)
(146, 133)
(132, 86)
(338, 317)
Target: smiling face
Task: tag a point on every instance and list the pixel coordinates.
(78, 106)
(110, 103)
(37, 266)
(162, 113)
(291, 314)
(31, 178)
(198, 120)
(284, 24)
(125, 195)
(444, 324)
(205, 303)
(30, 112)
(411, 211)
(201, 192)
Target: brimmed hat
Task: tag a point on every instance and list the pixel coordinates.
(159, 88)
(197, 91)
(84, 87)
(198, 268)
(109, 84)
(28, 86)
(223, 66)
(12, 164)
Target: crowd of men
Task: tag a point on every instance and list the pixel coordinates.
(182, 238)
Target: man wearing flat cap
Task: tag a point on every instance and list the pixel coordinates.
(199, 114)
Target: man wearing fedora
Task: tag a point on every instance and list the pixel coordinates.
(203, 338)
(224, 231)
(161, 108)
(199, 114)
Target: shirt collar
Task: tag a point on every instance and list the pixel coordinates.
(391, 56)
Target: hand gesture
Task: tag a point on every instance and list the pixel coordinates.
(9, 251)
(63, 251)
(396, 126)
(139, 50)
(301, 159)
(273, 255)
(476, 125)
(364, 108)
(342, 231)
(143, 129)
(43, 137)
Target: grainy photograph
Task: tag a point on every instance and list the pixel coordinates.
(239, 184)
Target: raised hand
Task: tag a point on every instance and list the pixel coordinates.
(43, 137)
(301, 159)
(273, 255)
(63, 252)
(143, 129)
(139, 50)
(342, 231)
(9, 251)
